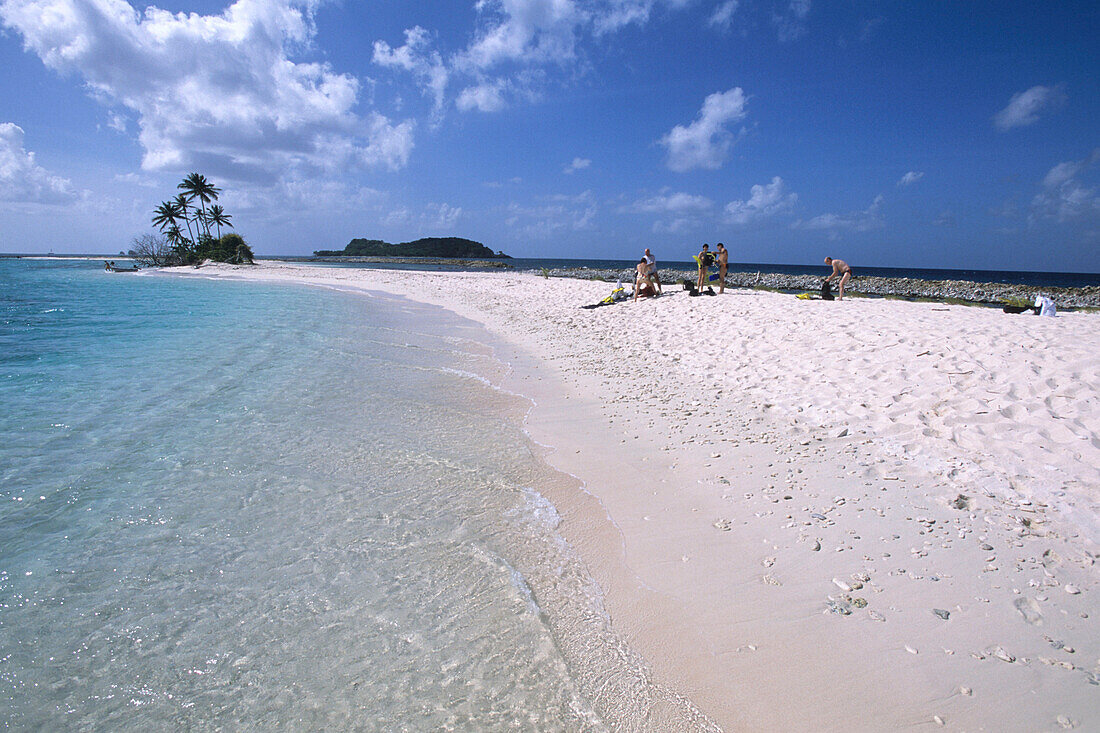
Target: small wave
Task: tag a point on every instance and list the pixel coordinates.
(538, 509)
(467, 375)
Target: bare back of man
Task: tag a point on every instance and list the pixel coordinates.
(841, 268)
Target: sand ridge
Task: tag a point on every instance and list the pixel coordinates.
(866, 514)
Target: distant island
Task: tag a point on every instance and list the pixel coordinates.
(446, 247)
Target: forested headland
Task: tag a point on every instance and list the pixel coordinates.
(448, 247)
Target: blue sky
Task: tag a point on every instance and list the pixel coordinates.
(929, 134)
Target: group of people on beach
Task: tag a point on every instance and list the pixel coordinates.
(647, 283)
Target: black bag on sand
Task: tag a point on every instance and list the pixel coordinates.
(826, 291)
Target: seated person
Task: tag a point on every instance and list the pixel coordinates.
(643, 282)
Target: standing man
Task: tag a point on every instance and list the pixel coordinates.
(651, 261)
(705, 259)
(723, 263)
(840, 267)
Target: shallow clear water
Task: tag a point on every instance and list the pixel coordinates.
(229, 503)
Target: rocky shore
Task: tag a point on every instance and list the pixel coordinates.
(901, 287)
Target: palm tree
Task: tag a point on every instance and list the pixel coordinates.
(182, 202)
(176, 239)
(166, 215)
(218, 216)
(175, 236)
(195, 186)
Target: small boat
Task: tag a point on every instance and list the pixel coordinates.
(111, 267)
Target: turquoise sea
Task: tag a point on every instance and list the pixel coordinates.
(230, 504)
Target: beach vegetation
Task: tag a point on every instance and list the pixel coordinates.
(545, 274)
(184, 223)
(151, 250)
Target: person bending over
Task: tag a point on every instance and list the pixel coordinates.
(840, 267)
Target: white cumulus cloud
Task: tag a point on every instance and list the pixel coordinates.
(1024, 107)
(706, 142)
(218, 93)
(910, 178)
(722, 17)
(860, 221)
(553, 215)
(1064, 196)
(524, 30)
(483, 97)
(441, 217)
(517, 45)
(578, 164)
(764, 201)
(790, 21)
(675, 203)
(418, 57)
(24, 181)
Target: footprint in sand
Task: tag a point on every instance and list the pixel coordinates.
(1030, 610)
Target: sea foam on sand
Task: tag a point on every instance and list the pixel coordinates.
(812, 515)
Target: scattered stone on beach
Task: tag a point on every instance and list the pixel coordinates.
(1001, 654)
(966, 691)
(771, 580)
(942, 613)
(724, 524)
(939, 720)
(875, 615)
(859, 602)
(1065, 722)
(911, 650)
(842, 585)
(961, 502)
(816, 546)
(1072, 589)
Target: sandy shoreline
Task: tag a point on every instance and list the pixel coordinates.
(817, 516)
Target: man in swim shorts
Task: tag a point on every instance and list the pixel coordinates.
(723, 263)
(840, 267)
(651, 261)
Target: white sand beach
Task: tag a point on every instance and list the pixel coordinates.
(808, 515)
